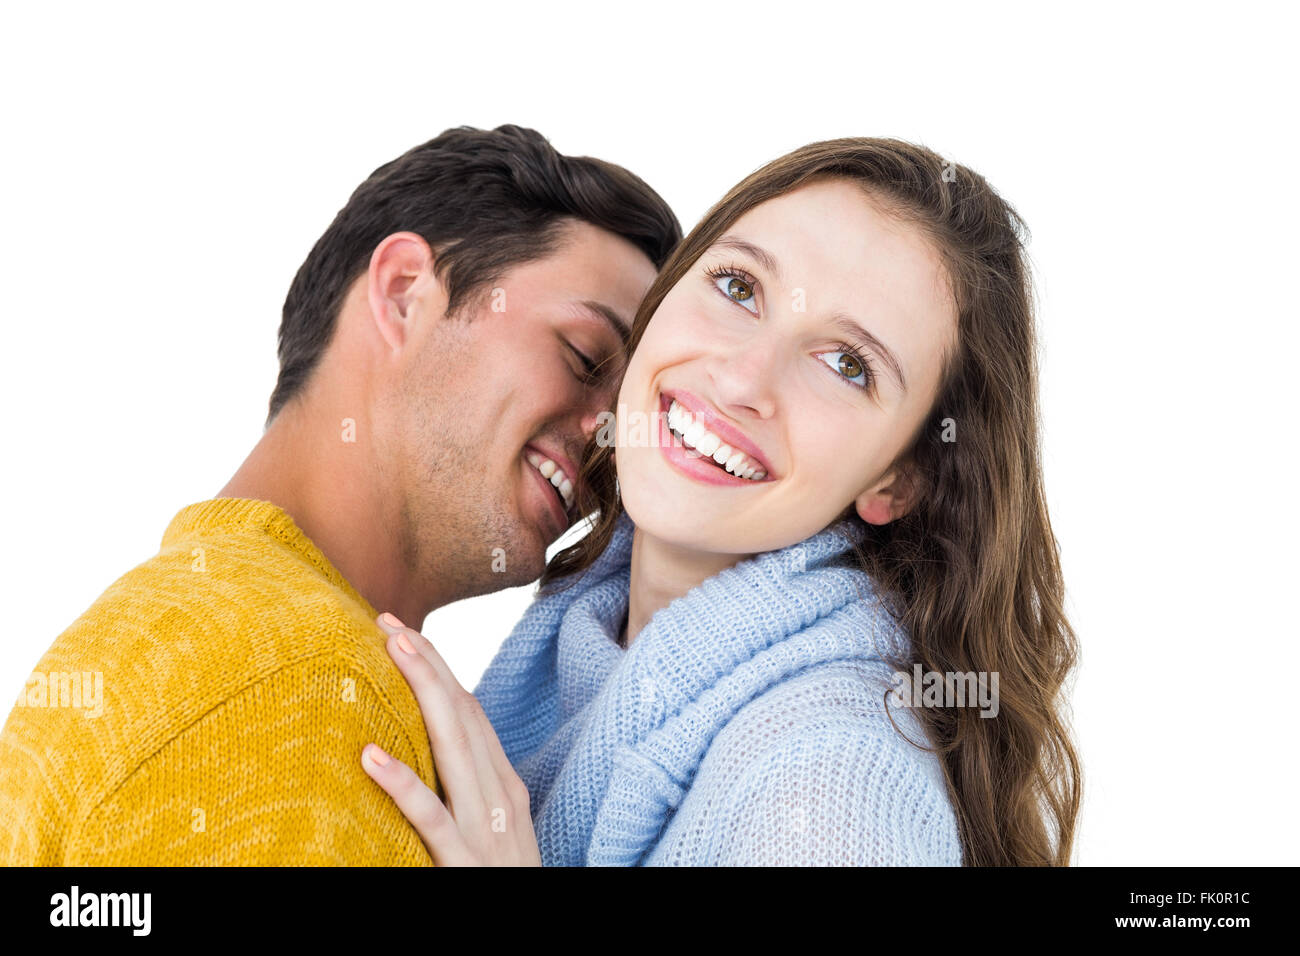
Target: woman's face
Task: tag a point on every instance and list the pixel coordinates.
(809, 341)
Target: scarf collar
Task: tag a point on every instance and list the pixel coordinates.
(621, 732)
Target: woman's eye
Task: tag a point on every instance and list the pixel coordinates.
(737, 289)
(847, 365)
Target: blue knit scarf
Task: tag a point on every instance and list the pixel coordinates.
(607, 740)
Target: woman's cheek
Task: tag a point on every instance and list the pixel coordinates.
(677, 323)
(835, 453)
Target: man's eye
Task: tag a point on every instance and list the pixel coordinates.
(737, 289)
(588, 366)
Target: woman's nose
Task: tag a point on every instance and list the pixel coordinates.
(744, 377)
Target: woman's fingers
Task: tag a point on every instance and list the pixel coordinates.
(463, 760)
(487, 804)
(420, 806)
(453, 755)
(430, 653)
(423, 646)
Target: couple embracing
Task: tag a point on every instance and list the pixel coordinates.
(840, 482)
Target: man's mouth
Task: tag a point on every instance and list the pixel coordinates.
(708, 445)
(560, 481)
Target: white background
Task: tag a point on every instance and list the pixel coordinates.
(165, 171)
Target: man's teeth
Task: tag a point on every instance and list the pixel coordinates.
(555, 475)
(706, 443)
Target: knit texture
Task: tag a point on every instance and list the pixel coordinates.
(241, 678)
(745, 725)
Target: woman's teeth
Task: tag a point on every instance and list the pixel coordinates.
(555, 475)
(710, 445)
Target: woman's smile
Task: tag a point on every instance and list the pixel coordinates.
(703, 446)
(712, 435)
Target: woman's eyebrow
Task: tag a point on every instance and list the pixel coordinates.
(760, 255)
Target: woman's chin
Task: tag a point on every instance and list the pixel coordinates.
(679, 520)
(673, 519)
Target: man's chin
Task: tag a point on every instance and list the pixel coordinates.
(525, 573)
(525, 563)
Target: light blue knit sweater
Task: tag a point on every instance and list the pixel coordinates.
(745, 724)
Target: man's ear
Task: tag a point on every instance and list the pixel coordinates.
(893, 496)
(401, 270)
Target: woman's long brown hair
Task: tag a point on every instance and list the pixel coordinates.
(973, 570)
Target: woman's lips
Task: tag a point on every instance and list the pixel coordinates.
(702, 413)
(689, 461)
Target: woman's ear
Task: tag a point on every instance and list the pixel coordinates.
(891, 497)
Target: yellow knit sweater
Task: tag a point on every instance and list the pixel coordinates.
(210, 709)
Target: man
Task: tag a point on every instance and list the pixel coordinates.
(445, 350)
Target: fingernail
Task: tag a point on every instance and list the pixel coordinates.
(378, 756)
(389, 622)
(404, 644)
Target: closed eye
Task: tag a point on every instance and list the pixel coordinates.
(588, 366)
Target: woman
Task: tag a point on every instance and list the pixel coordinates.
(838, 490)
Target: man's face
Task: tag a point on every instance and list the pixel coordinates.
(492, 401)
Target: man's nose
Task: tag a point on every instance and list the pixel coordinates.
(597, 408)
(592, 420)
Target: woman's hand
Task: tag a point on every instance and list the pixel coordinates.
(486, 821)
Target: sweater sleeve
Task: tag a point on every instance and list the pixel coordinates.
(828, 787)
(271, 777)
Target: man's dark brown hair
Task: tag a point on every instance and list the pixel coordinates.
(485, 201)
